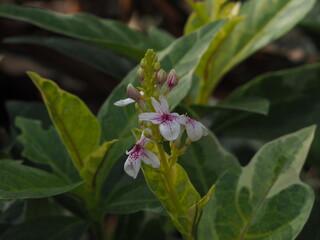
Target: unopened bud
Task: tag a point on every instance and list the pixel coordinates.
(161, 78)
(143, 63)
(141, 74)
(157, 66)
(133, 93)
(172, 80)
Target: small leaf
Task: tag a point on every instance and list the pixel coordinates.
(20, 181)
(185, 196)
(265, 199)
(95, 56)
(49, 228)
(93, 163)
(76, 125)
(108, 33)
(45, 147)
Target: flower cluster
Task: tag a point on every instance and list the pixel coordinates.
(150, 100)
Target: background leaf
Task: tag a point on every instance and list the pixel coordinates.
(205, 161)
(264, 200)
(95, 56)
(76, 125)
(108, 33)
(294, 103)
(45, 147)
(20, 181)
(51, 228)
(255, 31)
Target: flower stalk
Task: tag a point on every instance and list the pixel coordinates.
(165, 177)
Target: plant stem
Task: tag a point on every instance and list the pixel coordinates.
(98, 229)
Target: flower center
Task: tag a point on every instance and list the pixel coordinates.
(167, 117)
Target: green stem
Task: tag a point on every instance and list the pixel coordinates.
(169, 178)
(98, 229)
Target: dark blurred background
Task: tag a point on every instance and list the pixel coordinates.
(91, 85)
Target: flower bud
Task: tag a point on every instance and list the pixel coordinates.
(133, 93)
(157, 66)
(143, 63)
(141, 74)
(172, 80)
(161, 78)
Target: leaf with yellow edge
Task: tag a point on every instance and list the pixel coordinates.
(93, 163)
(179, 201)
(76, 125)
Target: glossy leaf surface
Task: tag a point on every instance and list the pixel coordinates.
(265, 199)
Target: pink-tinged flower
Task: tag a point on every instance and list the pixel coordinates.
(168, 122)
(134, 96)
(137, 154)
(195, 130)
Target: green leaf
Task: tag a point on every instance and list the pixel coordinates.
(50, 228)
(20, 181)
(264, 200)
(33, 110)
(76, 125)
(261, 25)
(182, 55)
(186, 195)
(294, 103)
(95, 56)
(45, 147)
(248, 104)
(205, 161)
(161, 37)
(11, 212)
(311, 24)
(93, 163)
(107, 33)
(122, 195)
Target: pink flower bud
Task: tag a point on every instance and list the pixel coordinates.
(161, 78)
(133, 93)
(172, 80)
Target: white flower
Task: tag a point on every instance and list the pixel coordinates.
(168, 122)
(195, 130)
(137, 154)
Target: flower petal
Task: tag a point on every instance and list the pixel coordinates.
(164, 104)
(170, 130)
(124, 102)
(132, 166)
(194, 130)
(158, 107)
(150, 158)
(155, 118)
(143, 141)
